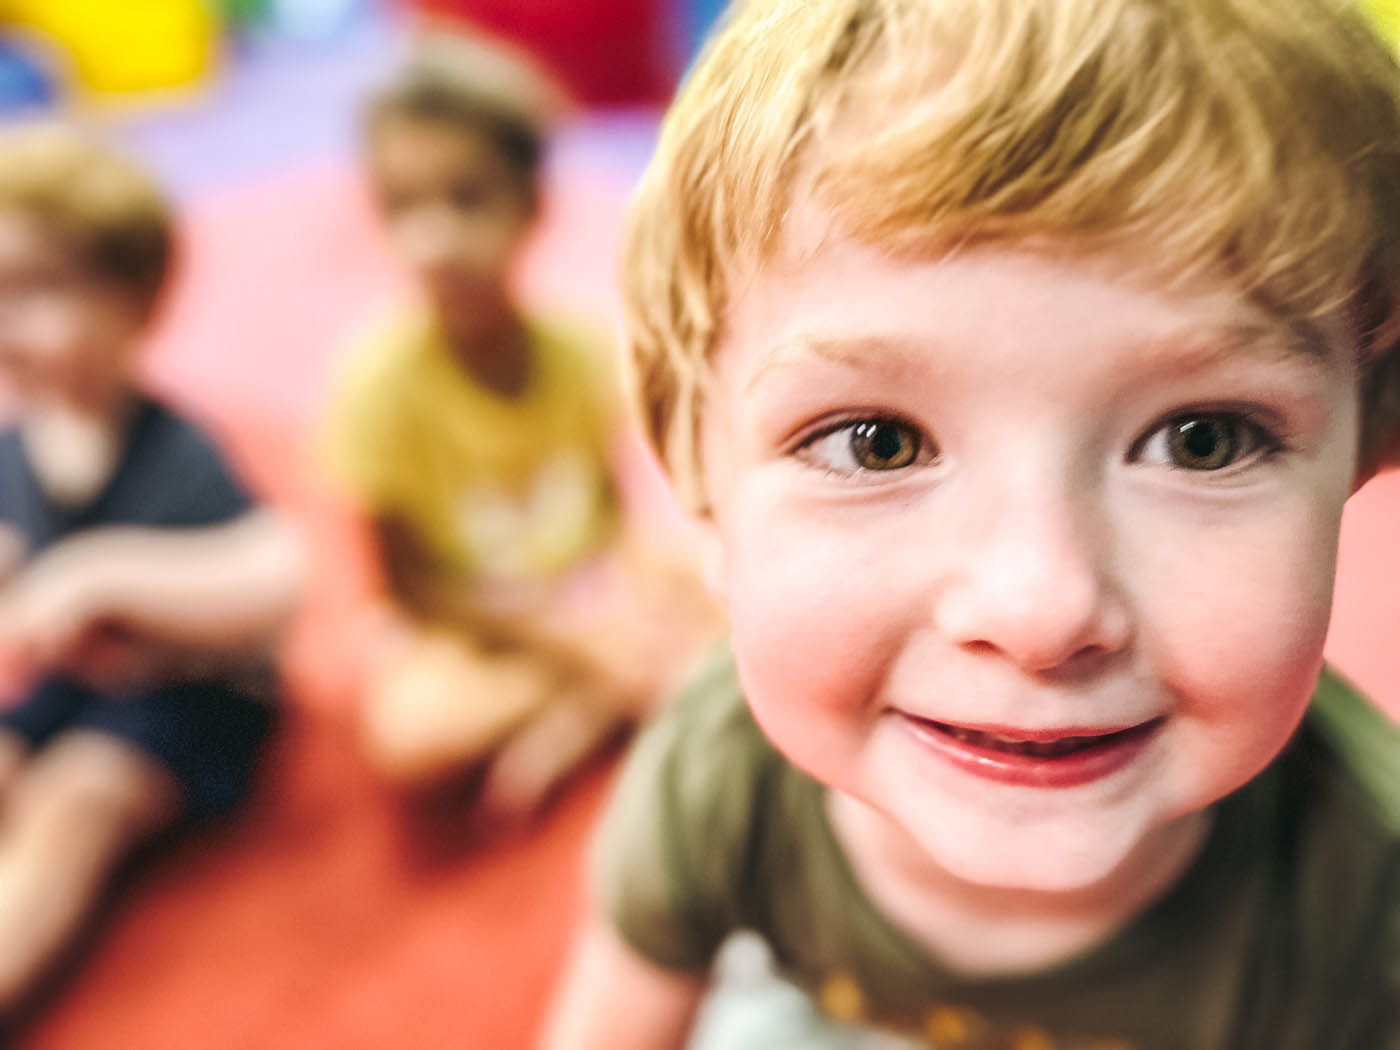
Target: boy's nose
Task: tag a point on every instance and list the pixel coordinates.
(1034, 583)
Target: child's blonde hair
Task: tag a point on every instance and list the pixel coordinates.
(111, 213)
(1257, 136)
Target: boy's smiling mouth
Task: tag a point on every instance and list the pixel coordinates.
(1051, 758)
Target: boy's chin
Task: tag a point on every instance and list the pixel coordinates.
(1046, 859)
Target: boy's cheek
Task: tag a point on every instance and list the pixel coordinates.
(1236, 643)
(811, 621)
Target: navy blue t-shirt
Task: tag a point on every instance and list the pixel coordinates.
(169, 475)
(208, 733)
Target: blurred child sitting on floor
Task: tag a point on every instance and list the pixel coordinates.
(522, 630)
(141, 586)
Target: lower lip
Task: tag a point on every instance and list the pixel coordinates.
(1065, 771)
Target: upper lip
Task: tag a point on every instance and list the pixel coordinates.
(1036, 736)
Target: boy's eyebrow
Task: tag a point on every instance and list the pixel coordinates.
(1192, 348)
(1208, 345)
(882, 355)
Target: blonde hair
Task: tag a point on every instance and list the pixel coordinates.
(107, 207)
(1257, 136)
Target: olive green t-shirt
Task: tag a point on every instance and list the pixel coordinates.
(1284, 934)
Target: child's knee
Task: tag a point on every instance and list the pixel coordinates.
(14, 752)
(87, 781)
(444, 707)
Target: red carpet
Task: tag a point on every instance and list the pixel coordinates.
(310, 923)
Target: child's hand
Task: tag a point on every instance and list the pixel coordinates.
(382, 635)
(116, 661)
(12, 550)
(45, 613)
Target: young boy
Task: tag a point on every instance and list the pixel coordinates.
(1018, 358)
(520, 631)
(141, 586)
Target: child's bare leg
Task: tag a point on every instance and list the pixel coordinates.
(442, 705)
(638, 629)
(78, 807)
(14, 751)
(540, 756)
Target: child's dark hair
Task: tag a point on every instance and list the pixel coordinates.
(461, 82)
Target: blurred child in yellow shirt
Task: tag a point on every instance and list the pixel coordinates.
(520, 630)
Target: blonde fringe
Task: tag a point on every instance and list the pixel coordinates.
(1256, 137)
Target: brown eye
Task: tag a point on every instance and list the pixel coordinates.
(879, 444)
(1203, 443)
(868, 446)
(1206, 441)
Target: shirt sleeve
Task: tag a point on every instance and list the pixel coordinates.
(671, 854)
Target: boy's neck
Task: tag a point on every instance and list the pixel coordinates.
(981, 931)
(496, 355)
(73, 442)
(105, 406)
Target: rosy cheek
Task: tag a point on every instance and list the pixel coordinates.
(810, 626)
(1237, 642)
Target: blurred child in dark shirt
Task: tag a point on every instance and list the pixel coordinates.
(142, 586)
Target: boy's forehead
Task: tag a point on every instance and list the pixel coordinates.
(1185, 349)
(809, 299)
(401, 141)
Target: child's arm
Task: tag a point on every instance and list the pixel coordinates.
(12, 548)
(223, 590)
(414, 579)
(613, 999)
(419, 585)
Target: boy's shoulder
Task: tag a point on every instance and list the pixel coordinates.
(173, 474)
(1335, 852)
(1348, 757)
(387, 343)
(677, 844)
(705, 747)
(176, 435)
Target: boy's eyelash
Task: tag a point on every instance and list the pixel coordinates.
(1272, 436)
(826, 428)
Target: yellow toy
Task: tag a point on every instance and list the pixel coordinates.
(1386, 16)
(128, 47)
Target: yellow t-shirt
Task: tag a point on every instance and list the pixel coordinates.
(499, 488)
(1386, 16)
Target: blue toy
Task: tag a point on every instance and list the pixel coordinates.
(25, 82)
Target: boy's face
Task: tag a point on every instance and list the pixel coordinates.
(63, 333)
(456, 210)
(1031, 558)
